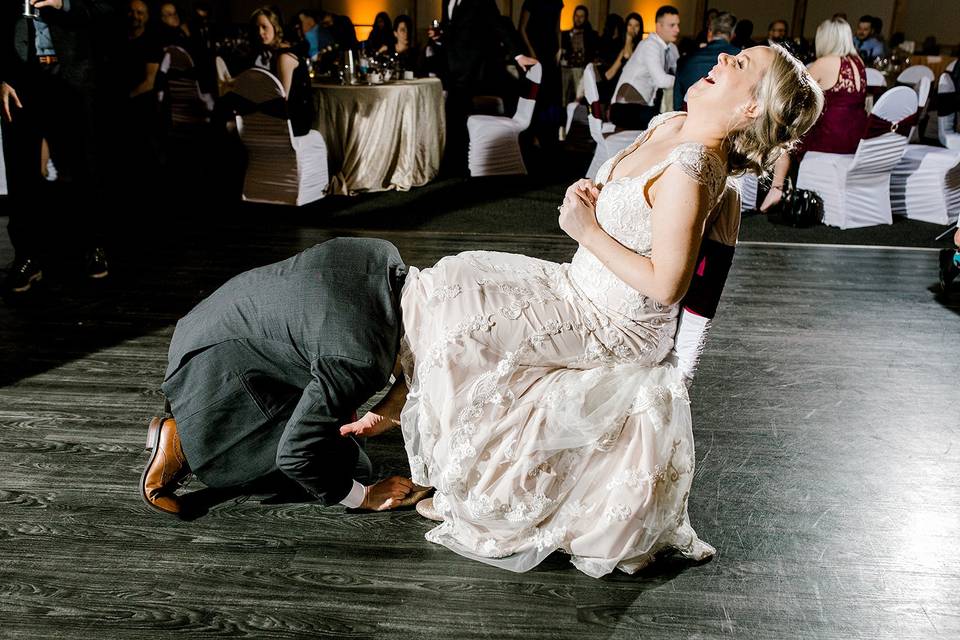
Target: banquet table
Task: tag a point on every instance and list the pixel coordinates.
(381, 137)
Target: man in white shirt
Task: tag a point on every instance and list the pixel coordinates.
(648, 72)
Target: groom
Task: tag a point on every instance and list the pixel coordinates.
(264, 372)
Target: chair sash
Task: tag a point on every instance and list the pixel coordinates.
(948, 104)
(877, 126)
(713, 265)
(241, 106)
(529, 89)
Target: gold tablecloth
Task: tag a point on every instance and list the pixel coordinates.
(381, 137)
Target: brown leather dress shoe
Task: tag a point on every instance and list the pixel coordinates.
(165, 469)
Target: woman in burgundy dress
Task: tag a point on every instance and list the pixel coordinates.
(841, 74)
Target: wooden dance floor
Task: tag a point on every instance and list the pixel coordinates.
(828, 473)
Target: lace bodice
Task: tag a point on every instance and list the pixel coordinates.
(624, 212)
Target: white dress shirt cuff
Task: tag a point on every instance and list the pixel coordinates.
(355, 498)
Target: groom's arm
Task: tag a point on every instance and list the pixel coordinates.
(311, 449)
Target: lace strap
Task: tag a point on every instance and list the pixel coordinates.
(698, 163)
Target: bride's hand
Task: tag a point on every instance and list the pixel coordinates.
(586, 188)
(578, 217)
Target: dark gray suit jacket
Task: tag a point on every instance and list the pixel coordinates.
(262, 373)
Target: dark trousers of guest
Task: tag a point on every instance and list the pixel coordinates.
(634, 117)
(458, 107)
(64, 115)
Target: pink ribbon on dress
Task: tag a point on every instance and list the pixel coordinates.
(877, 126)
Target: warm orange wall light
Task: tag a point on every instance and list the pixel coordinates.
(362, 12)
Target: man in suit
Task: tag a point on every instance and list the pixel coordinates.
(264, 372)
(649, 71)
(471, 38)
(52, 89)
(699, 63)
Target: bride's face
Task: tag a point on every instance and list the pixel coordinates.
(729, 87)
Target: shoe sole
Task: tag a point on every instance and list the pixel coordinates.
(153, 445)
(32, 280)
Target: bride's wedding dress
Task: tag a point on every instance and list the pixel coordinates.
(539, 405)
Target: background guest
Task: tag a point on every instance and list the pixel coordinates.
(275, 54)
(55, 86)
(867, 42)
(408, 55)
(743, 34)
(697, 65)
(580, 44)
(540, 30)
(840, 73)
(172, 30)
(341, 28)
(381, 38)
(470, 40)
(633, 34)
(777, 32)
(317, 37)
(648, 72)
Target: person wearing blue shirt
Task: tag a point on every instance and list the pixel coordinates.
(698, 64)
(867, 42)
(316, 36)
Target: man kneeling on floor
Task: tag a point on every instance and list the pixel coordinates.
(262, 374)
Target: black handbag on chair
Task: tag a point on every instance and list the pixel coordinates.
(798, 208)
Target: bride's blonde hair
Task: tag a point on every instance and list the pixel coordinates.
(790, 102)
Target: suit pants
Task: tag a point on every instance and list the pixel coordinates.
(231, 406)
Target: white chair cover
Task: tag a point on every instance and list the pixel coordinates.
(875, 78)
(748, 185)
(947, 125)
(925, 184)
(179, 89)
(571, 109)
(609, 142)
(913, 75)
(281, 168)
(699, 305)
(495, 140)
(923, 101)
(223, 75)
(856, 188)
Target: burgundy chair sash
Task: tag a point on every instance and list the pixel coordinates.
(234, 103)
(948, 103)
(713, 265)
(877, 126)
(530, 89)
(596, 110)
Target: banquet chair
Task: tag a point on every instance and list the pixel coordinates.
(609, 141)
(876, 85)
(179, 91)
(281, 168)
(699, 305)
(923, 103)
(913, 75)
(748, 185)
(223, 75)
(855, 188)
(571, 110)
(925, 184)
(947, 112)
(495, 140)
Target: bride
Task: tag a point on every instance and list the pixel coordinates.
(538, 404)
